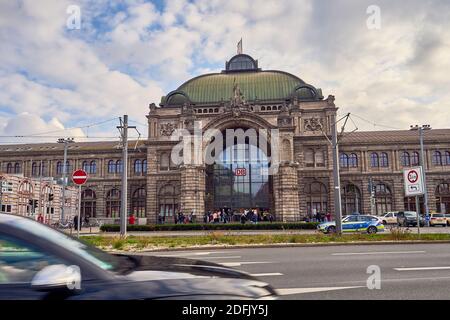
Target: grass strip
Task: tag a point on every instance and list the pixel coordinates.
(137, 243)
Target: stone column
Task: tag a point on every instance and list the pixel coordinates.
(192, 198)
(286, 192)
(152, 190)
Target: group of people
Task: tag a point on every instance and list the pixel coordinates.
(184, 218)
(319, 217)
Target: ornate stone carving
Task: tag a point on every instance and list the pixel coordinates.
(166, 129)
(330, 100)
(152, 107)
(313, 124)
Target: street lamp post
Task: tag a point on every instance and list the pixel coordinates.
(66, 142)
(422, 163)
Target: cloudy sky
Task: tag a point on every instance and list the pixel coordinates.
(127, 54)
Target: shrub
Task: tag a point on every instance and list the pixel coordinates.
(213, 226)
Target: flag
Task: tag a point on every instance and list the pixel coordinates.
(239, 47)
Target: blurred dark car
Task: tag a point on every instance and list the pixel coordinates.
(409, 218)
(39, 262)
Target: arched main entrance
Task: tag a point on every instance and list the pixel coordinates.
(239, 179)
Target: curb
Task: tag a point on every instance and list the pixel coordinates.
(290, 245)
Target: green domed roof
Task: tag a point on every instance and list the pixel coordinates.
(270, 85)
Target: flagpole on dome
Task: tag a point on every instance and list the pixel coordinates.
(239, 47)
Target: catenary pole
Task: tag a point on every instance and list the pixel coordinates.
(336, 179)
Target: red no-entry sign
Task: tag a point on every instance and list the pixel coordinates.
(79, 177)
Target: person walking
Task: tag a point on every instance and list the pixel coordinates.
(40, 218)
(131, 219)
(75, 222)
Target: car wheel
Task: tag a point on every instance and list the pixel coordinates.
(331, 229)
(372, 229)
(405, 224)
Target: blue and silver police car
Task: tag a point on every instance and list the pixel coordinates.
(354, 223)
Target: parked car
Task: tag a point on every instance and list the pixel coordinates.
(354, 223)
(409, 218)
(39, 262)
(447, 217)
(389, 218)
(437, 219)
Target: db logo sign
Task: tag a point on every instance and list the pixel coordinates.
(240, 172)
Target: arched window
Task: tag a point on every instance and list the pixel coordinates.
(9, 168)
(138, 201)
(144, 166)
(137, 166)
(343, 159)
(93, 167)
(410, 204)
(383, 198)
(443, 198)
(25, 193)
(35, 169)
(316, 198)
(415, 158)
(86, 166)
(374, 160)
(351, 199)
(88, 203)
(111, 166)
(353, 160)
(113, 203)
(168, 200)
(437, 158)
(384, 160)
(405, 159)
(59, 167)
(17, 168)
(119, 166)
(447, 158)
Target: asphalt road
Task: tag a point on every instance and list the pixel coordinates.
(416, 271)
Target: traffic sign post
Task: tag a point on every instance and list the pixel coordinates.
(414, 187)
(79, 177)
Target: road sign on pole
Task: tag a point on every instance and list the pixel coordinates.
(79, 177)
(413, 179)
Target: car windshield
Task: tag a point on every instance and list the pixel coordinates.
(410, 214)
(438, 215)
(90, 253)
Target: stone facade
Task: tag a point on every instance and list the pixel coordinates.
(303, 183)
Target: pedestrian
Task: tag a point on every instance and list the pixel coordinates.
(243, 217)
(75, 222)
(131, 219)
(270, 217)
(329, 217)
(40, 218)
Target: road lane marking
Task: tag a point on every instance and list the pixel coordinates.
(288, 291)
(422, 268)
(375, 252)
(238, 264)
(266, 274)
(224, 257)
(182, 254)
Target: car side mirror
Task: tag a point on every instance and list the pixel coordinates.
(57, 277)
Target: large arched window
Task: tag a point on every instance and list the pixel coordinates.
(168, 202)
(88, 203)
(17, 168)
(9, 168)
(59, 167)
(437, 158)
(137, 166)
(383, 198)
(35, 169)
(443, 198)
(93, 167)
(405, 160)
(353, 160)
(111, 166)
(343, 159)
(113, 203)
(374, 160)
(119, 166)
(351, 199)
(410, 204)
(144, 166)
(384, 160)
(415, 158)
(138, 201)
(447, 158)
(316, 198)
